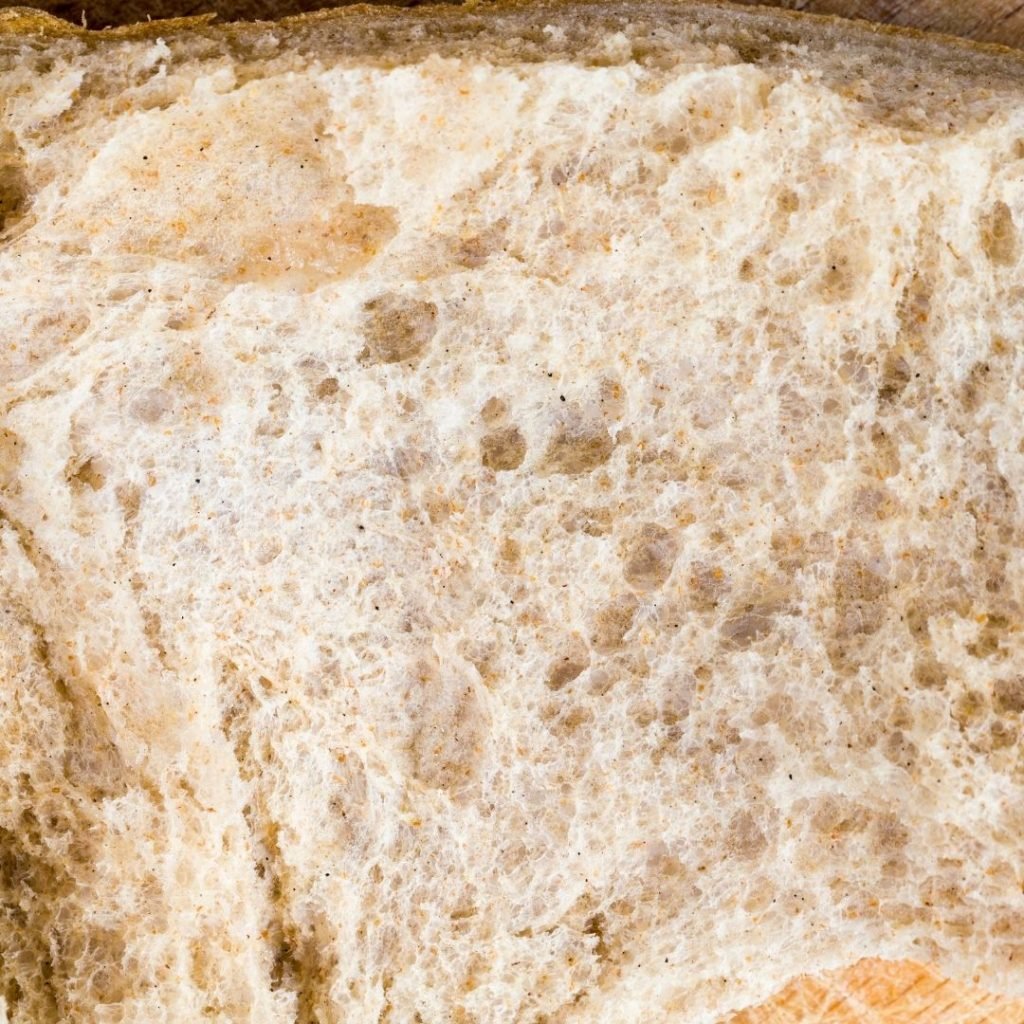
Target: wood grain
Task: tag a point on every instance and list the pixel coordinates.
(883, 992)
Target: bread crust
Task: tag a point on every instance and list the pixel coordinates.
(27, 21)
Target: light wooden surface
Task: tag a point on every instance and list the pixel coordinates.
(883, 992)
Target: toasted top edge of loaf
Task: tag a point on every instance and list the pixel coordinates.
(511, 29)
(919, 80)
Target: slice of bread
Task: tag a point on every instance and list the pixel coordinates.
(507, 514)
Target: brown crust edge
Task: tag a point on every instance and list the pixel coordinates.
(28, 21)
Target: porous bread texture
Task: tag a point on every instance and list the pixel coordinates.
(506, 516)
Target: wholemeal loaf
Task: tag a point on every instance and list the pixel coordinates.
(507, 514)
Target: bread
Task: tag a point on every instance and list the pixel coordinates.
(507, 514)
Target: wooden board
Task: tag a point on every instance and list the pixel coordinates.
(883, 992)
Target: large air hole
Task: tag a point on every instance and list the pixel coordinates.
(14, 200)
